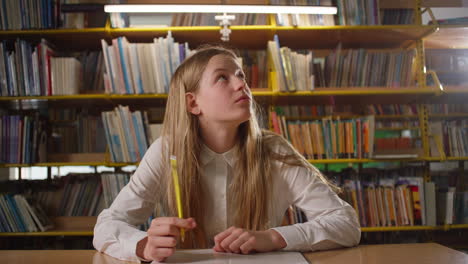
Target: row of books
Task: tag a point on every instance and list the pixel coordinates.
(87, 15)
(310, 111)
(350, 12)
(328, 138)
(254, 65)
(88, 123)
(76, 194)
(399, 197)
(24, 69)
(304, 20)
(391, 203)
(447, 108)
(409, 201)
(133, 68)
(351, 68)
(28, 69)
(415, 201)
(341, 68)
(93, 72)
(23, 14)
(28, 138)
(358, 12)
(80, 194)
(304, 111)
(383, 124)
(371, 109)
(392, 109)
(294, 71)
(47, 14)
(192, 19)
(397, 16)
(23, 139)
(66, 76)
(88, 195)
(17, 214)
(85, 134)
(449, 138)
(128, 134)
(181, 20)
(346, 17)
(61, 115)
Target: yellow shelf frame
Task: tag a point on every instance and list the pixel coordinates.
(338, 161)
(52, 31)
(413, 228)
(48, 233)
(313, 161)
(397, 128)
(352, 116)
(438, 159)
(363, 229)
(188, 29)
(321, 92)
(64, 164)
(111, 30)
(358, 27)
(449, 115)
(86, 97)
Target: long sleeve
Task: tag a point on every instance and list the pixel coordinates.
(332, 223)
(116, 232)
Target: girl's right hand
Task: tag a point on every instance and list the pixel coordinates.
(161, 240)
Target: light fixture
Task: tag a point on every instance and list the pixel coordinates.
(223, 9)
(251, 9)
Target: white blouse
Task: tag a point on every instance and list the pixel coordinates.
(331, 222)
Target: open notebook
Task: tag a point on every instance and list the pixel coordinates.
(208, 256)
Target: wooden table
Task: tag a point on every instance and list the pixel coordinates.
(391, 254)
(427, 253)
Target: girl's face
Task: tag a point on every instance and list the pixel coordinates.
(223, 95)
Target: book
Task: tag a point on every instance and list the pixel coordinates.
(209, 256)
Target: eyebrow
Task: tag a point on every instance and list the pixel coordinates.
(220, 69)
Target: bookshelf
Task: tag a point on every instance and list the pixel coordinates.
(313, 161)
(254, 37)
(83, 226)
(448, 37)
(380, 37)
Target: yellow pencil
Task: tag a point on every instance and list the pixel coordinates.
(175, 177)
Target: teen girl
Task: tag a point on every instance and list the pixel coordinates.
(236, 179)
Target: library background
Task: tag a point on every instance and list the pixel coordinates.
(375, 97)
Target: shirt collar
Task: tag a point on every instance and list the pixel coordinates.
(207, 155)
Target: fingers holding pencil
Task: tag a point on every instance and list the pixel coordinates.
(188, 223)
(163, 235)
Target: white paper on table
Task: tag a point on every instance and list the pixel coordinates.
(208, 256)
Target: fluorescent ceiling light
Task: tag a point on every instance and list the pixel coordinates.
(254, 9)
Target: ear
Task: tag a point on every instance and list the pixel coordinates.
(192, 106)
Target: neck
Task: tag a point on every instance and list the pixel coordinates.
(219, 137)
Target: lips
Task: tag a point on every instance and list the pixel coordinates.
(242, 98)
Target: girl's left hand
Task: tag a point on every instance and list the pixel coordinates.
(241, 241)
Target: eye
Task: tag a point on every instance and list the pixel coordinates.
(221, 77)
(240, 74)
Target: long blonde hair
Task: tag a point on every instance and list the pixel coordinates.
(249, 191)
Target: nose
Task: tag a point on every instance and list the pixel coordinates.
(239, 83)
